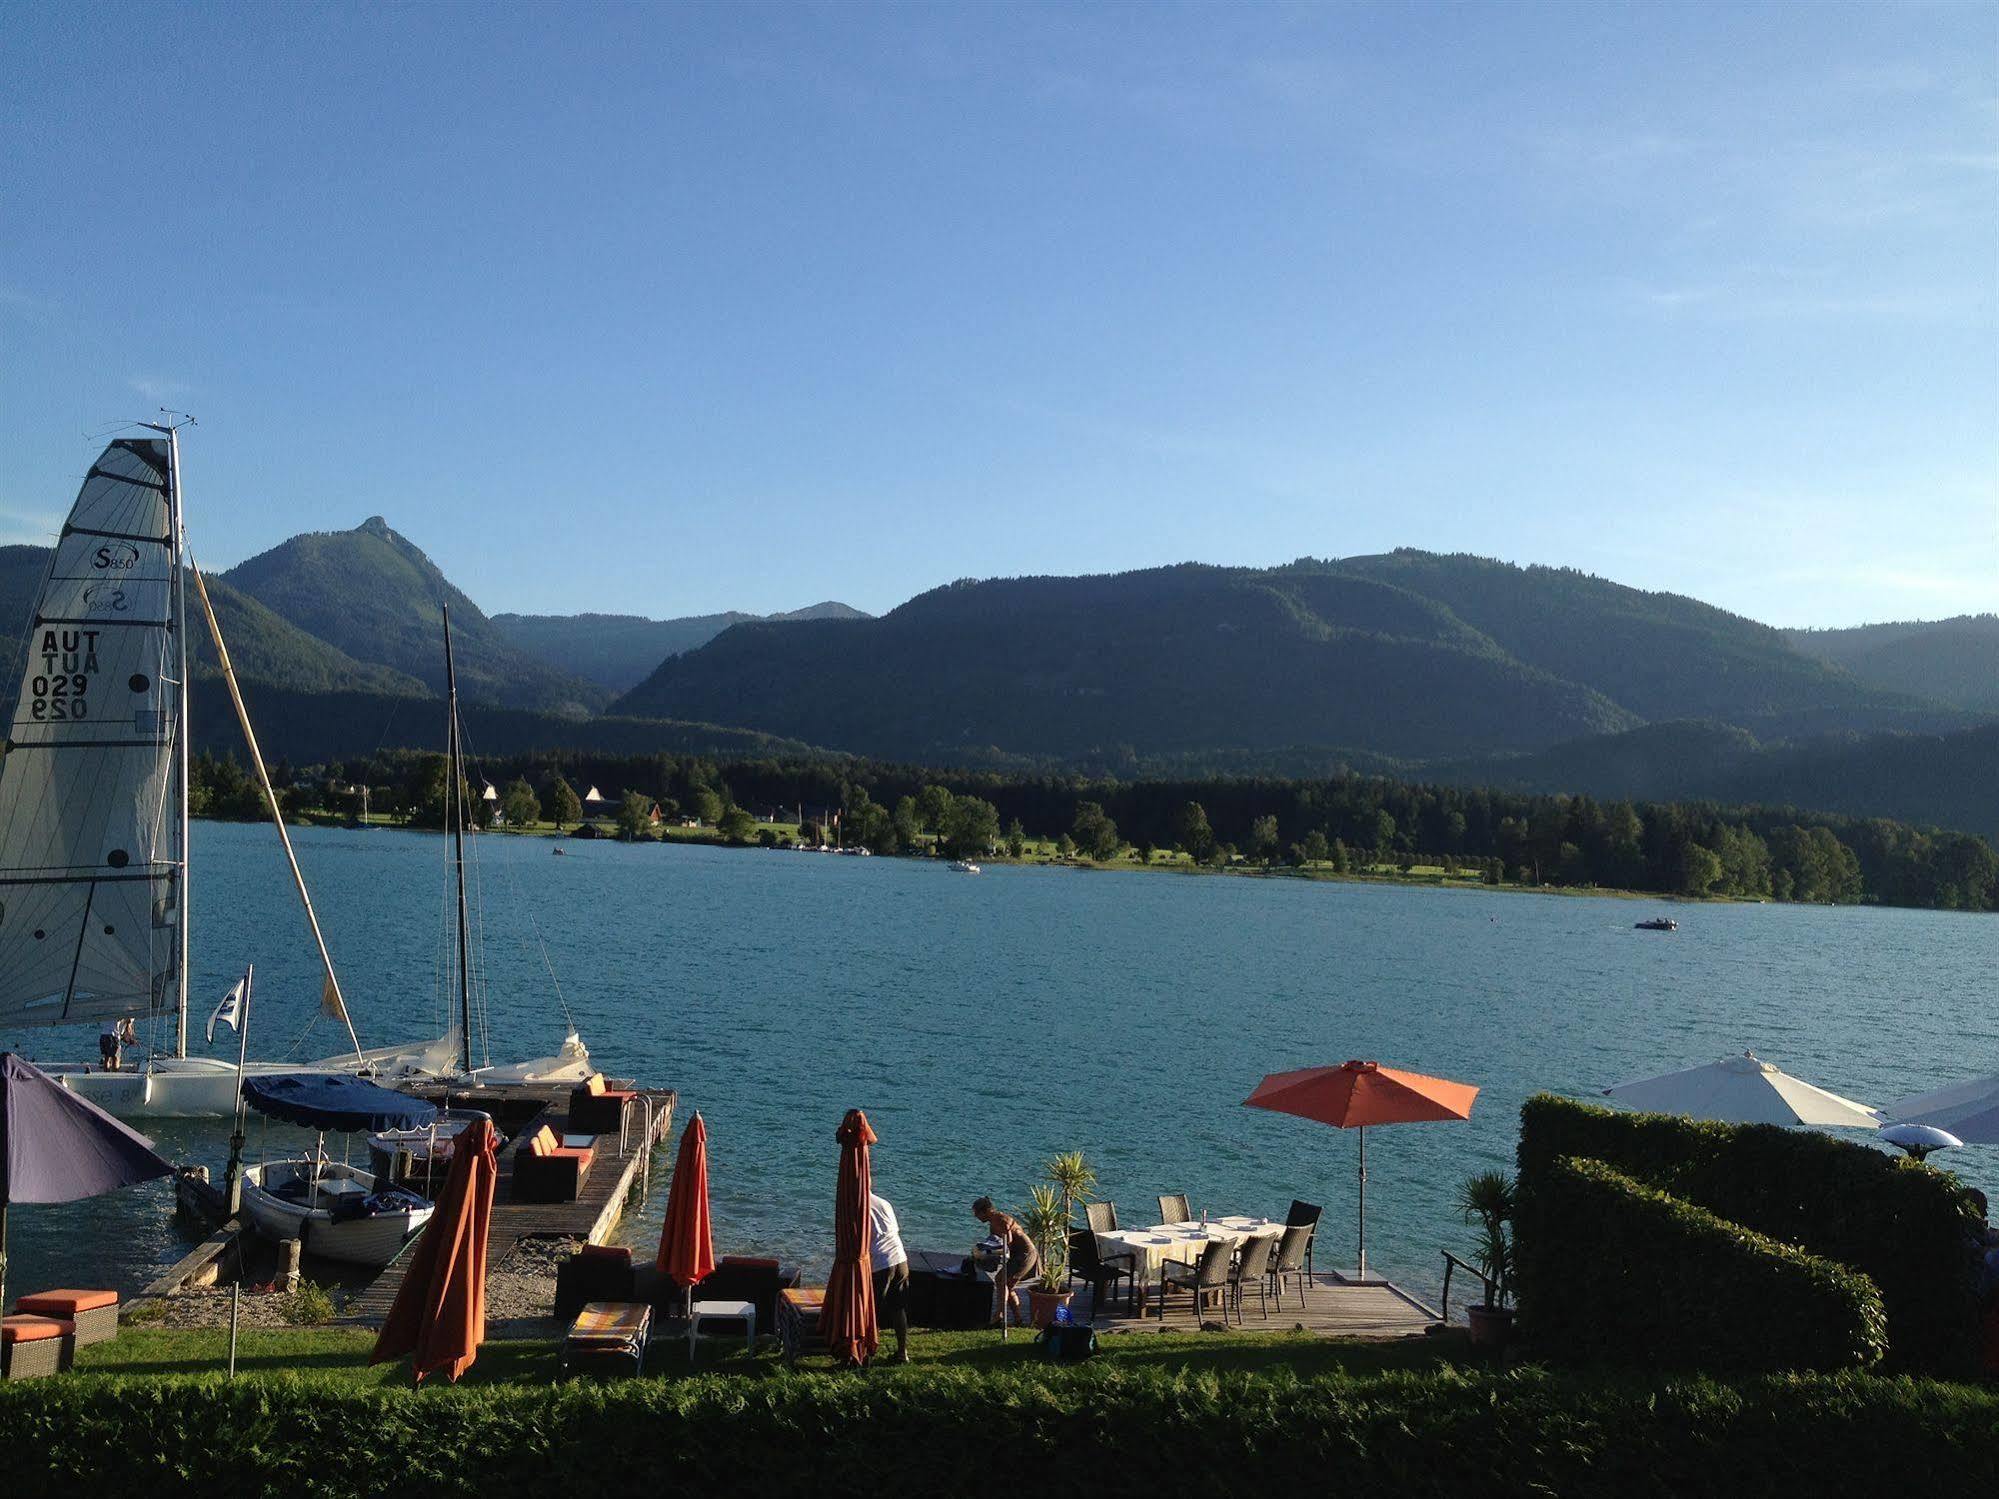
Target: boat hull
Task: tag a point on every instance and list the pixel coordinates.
(372, 1239)
(163, 1088)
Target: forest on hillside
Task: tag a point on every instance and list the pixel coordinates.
(1683, 848)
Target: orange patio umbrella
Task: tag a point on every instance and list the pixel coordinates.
(439, 1316)
(686, 1239)
(848, 1320)
(1357, 1094)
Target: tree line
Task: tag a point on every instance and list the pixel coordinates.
(1346, 821)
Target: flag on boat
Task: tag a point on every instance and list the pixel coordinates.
(330, 1003)
(230, 1011)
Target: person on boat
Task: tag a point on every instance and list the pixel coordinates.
(112, 1039)
(891, 1262)
(1022, 1258)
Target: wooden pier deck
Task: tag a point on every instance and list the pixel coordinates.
(1332, 1307)
(622, 1168)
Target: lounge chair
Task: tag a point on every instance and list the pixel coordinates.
(595, 1108)
(546, 1170)
(1289, 1262)
(1173, 1208)
(1101, 1274)
(605, 1336)
(1209, 1277)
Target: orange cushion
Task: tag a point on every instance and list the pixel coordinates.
(33, 1329)
(596, 1083)
(66, 1303)
(570, 1153)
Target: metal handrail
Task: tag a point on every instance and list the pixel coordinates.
(1451, 1262)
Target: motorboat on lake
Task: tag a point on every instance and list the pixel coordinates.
(1657, 924)
(965, 866)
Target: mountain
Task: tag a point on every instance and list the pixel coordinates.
(1661, 656)
(1950, 660)
(377, 597)
(618, 651)
(264, 647)
(1164, 661)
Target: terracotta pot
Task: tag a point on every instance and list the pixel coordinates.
(1491, 1326)
(1042, 1305)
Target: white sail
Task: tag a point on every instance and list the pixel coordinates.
(89, 871)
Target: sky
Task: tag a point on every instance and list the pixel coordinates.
(667, 309)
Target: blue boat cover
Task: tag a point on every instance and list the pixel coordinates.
(331, 1100)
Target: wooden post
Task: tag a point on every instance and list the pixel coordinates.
(289, 1251)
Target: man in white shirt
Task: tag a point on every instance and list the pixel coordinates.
(891, 1264)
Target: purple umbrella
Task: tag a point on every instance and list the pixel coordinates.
(56, 1147)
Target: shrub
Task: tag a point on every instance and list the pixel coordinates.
(1908, 1227)
(1114, 1430)
(1612, 1269)
(309, 1306)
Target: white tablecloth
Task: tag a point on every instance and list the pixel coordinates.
(1181, 1243)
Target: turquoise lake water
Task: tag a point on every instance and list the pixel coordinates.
(986, 1023)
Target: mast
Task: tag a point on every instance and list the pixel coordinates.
(451, 799)
(177, 528)
(332, 998)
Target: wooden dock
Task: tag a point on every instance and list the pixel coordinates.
(622, 1172)
(1332, 1307)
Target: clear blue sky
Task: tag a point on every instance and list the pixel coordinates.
(669, 308)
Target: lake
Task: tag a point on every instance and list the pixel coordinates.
(986, 1023)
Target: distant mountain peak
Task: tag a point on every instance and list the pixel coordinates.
(376, 525)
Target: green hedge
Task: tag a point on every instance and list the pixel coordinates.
(1611, 1269)
(1907, 1227)
(1087, 1430)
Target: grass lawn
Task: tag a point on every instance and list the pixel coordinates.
(339, 1356)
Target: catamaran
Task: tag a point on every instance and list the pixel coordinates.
(93, 791)
(94, 867)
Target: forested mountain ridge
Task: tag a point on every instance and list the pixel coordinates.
(618, 651)
(1165, 660)
(1408, 654)
(1951, 660)
(376, 596)
(263, 645)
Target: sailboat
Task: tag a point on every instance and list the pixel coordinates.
(94, 911)
(449, 1057)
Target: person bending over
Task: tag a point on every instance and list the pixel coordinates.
(1022, 1258)
(891, 1263)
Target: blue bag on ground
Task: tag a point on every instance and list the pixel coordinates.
(1068, 1342)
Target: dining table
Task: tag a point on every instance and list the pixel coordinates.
(1152, 1249)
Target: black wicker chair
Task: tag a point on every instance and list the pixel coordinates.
(1102, 1275)
(1102, 1216)
(1288, 1262)
(1209, 1277)
(1252, 1269)
(1173, 1208)
(1305, 1215)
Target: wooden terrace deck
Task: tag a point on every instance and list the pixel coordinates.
(1332, 1308)
(620, 1169)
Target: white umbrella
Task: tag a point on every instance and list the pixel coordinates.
(1743, 1090)
(1969, 1110)
(1919, 1139)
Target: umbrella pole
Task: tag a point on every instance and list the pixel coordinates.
(1360, 1217)
(3, 1242)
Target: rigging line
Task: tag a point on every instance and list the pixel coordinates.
(534, 926)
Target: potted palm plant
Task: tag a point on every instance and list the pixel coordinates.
(1047, 1223)
(1486, 1200)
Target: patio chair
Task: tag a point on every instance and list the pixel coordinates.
(1305, 1215)
(1173, 1208)
(1102, 1216)
(1210, 1277)
(1288, 1263)
(1252, 1268)
(1101, 1274)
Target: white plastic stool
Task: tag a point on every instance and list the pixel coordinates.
(722, 1311)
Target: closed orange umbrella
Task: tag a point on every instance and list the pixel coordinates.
(1357, 1094)
(439, 1316)
(686, 1239)
(848, 1320)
